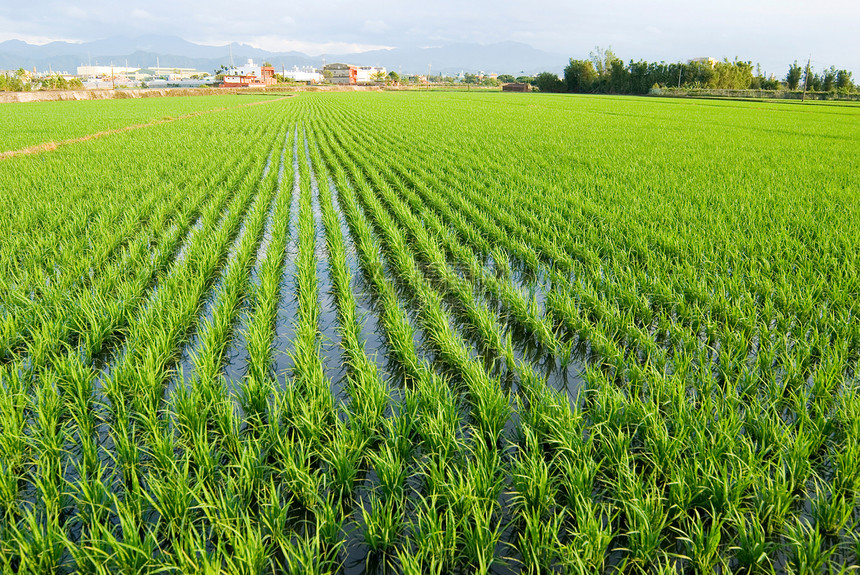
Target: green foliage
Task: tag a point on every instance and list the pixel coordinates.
(330, 329)
(792, 79)
(549, 82)
(580, 76)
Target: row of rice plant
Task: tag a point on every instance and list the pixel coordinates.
(619, 335)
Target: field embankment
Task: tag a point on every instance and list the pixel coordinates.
(126, 93)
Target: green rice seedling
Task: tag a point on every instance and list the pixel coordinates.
(329, 528)
(537, 541)
(534, 490)
(830, 512)
(134, 546)
(772, 499)
(590, 538)
(390, 471)
(702, 541)
(481, 534)
(343, 457)
(249, 551)
(712, 310)
(40, 543)
(304, 555)
(383, 524)
(752, 549)
(434, 530)
(647, 518)
(808, 552)
(275, 515)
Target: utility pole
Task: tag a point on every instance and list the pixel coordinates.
(806, 81)
(680, 68)
(429, 73)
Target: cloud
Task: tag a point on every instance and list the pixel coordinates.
(774, 32)
(139, 14)
(281, 44)
(375, 26)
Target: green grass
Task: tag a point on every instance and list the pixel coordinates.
(689, 266)
(34, 123)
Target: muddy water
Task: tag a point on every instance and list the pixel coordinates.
(282, 361)
(105, 362)
(236, 355)
(184, 367)
(331, 345)
(263, 249)
(367, 307)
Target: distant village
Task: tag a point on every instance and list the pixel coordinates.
(249, 74)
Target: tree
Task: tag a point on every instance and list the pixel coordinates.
(603, 62)
(580, 76)
(619, 77)
(828, 80)
(843, 80)
(793, 76)
(549, 82)
(506, 78)
(525, 80)
(394, 77)
(54, 83)
(735, 75)
(640, 80)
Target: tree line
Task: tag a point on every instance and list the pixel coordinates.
(604, 73)
(21, 82)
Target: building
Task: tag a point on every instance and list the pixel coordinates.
(249, 75)
(712, 62)
(105, 71)
(516, 87)
(340, 73)
(303, 75)
(347, 74)
(173, 74)
(368, 74)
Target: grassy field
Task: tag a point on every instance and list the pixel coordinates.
(434, 333)
(33, 123)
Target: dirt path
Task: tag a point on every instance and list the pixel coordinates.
(50, 146)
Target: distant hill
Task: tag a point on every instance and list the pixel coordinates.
(144, 51)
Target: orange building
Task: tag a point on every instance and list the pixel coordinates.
(249, 75)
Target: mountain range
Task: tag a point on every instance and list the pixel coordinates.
(170, 51)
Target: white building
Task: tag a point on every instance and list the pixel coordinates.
(306, 74)
(365, 74)
(248, 69)
(100, 71)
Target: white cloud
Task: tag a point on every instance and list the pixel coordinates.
(773, 32)
(37, 39)
(281, 44)
(140, 14)
(375, 26)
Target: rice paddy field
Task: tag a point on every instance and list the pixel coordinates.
(432, 333)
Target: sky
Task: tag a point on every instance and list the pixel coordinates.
(773, 33)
